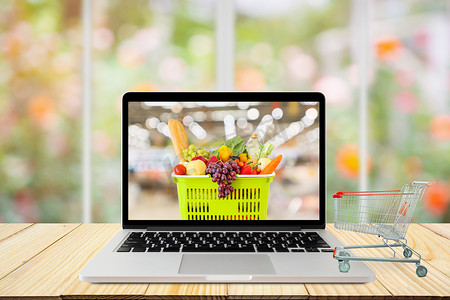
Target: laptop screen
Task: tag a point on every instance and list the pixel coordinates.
(223, 157)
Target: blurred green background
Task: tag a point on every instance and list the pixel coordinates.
(170, 45)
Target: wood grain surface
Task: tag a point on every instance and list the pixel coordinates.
(440, 229)
(76, 289)
(267, 291)
(182, 290)
(7, 230)
(42, 261)
(399, 278)
(19, 248)
(434, 251)
(54, 270)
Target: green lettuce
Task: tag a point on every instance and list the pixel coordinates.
(236, 144)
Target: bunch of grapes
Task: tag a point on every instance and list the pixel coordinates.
(192, 152)
(224, 174)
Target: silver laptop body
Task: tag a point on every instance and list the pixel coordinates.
(109, 265)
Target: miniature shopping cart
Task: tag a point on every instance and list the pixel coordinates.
(386, 214)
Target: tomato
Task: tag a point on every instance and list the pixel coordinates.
(179, 170)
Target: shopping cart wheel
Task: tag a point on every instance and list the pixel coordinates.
(344, 266)
(407, 253)
(421, 271)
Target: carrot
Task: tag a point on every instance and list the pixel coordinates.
(179, 138)
(271, 166)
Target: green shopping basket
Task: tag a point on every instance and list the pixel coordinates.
(199, 200)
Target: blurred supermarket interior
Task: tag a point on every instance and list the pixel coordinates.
(66, 64)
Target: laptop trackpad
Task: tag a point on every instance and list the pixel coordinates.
(226, 264)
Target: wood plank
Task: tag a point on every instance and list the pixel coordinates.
(7, 230)
(267, 291)
(84, 290)
(442, 229)
(400, 279)
(186, 291)
(433, 248)
(31, 298)
(78, 289)
(374, 290)
(348, 291)
(53, 271)
(18, 249)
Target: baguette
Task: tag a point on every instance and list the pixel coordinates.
(179, 138)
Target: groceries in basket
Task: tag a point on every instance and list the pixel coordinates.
(234, 171)
(230, 159)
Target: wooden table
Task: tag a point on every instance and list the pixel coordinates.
(43, 261)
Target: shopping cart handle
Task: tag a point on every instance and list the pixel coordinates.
(338, 195)
(334, 252)
(421, 182)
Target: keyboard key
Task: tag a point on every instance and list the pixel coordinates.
(171, 249)
(154, 249)
(264, 249)
(310, 245)
(218, 249)
(312, 250)
(297, 250)
(327, 250)
(193, 249)
(243, 249)
(279, 249)
(124, 249)
(130, 238)
(138, 249)
(128, 242)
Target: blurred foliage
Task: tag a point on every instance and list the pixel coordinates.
(169, 45)
(40, 137)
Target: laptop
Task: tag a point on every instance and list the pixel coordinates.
(186, 224)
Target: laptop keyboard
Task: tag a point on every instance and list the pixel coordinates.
(224, 242)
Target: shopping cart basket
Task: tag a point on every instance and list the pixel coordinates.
(199, 200)
(386, 214)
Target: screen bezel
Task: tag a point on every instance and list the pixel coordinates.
(223, 225)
